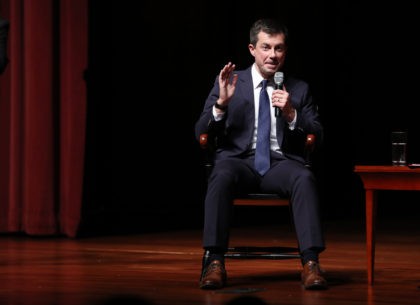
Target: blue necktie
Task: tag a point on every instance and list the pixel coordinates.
(262, 150)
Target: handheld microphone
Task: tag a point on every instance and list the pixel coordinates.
(278, 80)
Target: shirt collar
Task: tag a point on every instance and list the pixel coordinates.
(256, 77)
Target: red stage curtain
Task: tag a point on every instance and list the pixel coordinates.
(43, 117)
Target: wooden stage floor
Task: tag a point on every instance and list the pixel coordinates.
(158, 268)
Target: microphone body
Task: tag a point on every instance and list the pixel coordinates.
(277, 110)
(278, 80)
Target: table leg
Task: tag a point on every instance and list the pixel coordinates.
(370, 232)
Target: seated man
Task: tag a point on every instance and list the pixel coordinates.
(253, 152)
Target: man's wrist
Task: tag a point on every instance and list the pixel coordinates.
(220, 107)
(290, 116)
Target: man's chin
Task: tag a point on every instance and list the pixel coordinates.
(271, 69)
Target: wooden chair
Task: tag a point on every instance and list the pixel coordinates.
(209, 144)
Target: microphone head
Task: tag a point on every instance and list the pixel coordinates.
(278, 78)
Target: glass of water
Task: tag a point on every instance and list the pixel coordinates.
(399, 148)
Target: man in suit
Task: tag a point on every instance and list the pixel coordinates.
(232, 112)
(4, 31)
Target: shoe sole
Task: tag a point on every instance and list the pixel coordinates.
(315, 287)
(210, 286)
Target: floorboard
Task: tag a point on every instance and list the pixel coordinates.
(158, 268)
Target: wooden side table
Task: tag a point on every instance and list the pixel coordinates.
(382, 177)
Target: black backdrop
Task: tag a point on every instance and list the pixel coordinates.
(165, 57)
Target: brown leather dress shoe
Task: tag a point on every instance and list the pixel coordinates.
(312, 278)
(214, 276)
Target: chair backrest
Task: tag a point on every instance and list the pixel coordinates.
(208, 143)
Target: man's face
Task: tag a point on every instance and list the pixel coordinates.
(269, 53)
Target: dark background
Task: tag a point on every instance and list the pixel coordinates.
(358, 60)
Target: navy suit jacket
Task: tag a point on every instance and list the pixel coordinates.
(235, 131)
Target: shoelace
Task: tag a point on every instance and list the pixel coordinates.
(313, 267)
(213, 267)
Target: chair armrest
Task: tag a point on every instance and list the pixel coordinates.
(204, 140)
(309, 148)
(208, 152)
(310, 142)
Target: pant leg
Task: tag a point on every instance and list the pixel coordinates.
(291, 178)
(227, 178)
